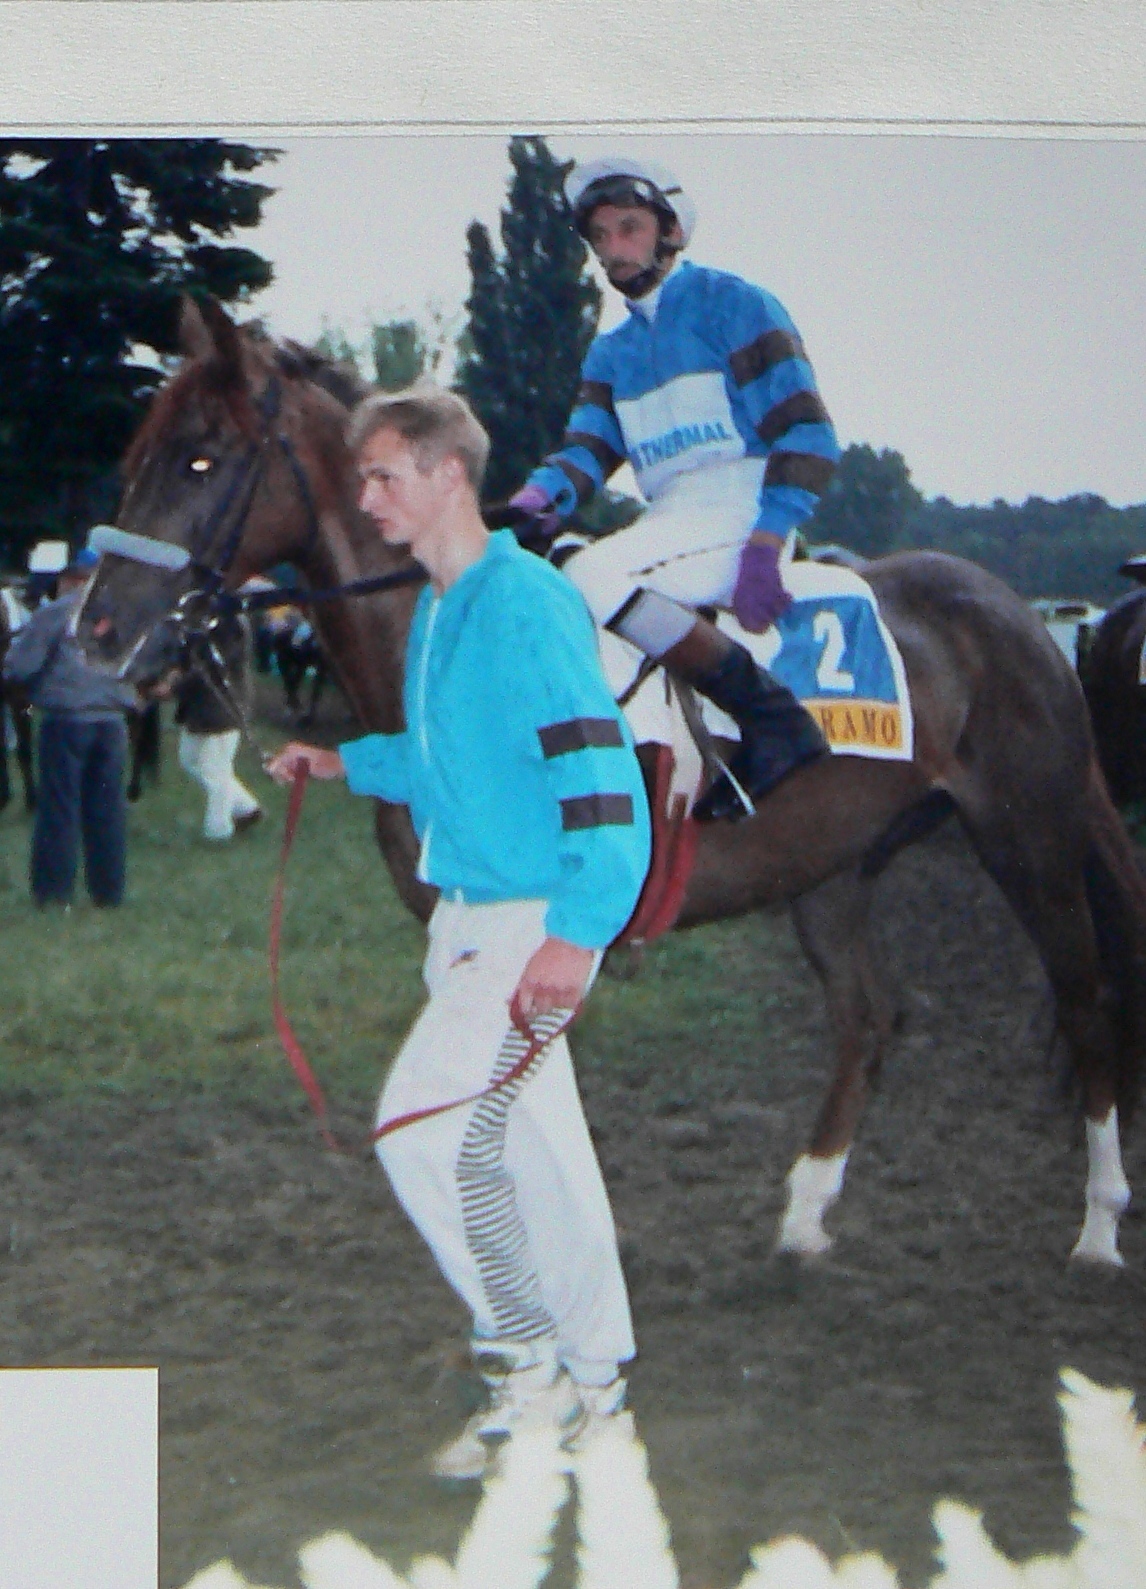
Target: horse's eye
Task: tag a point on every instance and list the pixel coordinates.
(202, 465)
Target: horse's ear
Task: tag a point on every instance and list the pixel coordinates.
(194, 337)
(207, 331)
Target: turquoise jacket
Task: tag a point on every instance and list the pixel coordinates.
(517, 766)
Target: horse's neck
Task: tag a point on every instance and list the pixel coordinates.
(365, 635)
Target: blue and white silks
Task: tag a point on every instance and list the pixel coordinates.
(717, 373)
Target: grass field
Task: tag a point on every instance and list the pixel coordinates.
(165, 1199)
(170, 993)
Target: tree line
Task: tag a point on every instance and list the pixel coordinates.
(100, 237)
(1069, 548)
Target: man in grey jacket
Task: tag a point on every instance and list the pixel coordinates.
(83, 747)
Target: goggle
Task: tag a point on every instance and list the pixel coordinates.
(621, 190)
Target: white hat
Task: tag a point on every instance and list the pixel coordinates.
(48, 557)
(660, 177)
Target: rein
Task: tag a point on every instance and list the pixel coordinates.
(535, 1036)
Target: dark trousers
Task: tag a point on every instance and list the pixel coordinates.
(81, 792)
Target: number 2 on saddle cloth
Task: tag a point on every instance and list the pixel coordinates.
(832, 650)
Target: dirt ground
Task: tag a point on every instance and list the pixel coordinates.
(309, 1353)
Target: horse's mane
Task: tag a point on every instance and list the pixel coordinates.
(339, 377)
(199, 377)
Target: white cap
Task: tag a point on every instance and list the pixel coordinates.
(660, 176)
(48, 557)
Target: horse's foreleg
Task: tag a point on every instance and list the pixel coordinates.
(26, 754)
(831, 924)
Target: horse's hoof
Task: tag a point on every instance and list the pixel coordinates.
(803, 1243)
(1097, 1258)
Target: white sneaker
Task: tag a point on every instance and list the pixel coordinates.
(598, 1407)
(540, 1394)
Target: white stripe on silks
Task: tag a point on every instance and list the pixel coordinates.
(495, 1233)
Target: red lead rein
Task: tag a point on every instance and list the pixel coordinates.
(535, 1042)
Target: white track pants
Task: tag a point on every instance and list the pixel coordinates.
(686, 545)
(209, 759)
(507, 1191)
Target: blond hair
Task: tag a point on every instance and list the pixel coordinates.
(435, 422)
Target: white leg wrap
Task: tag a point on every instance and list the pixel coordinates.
(1107, 1194)
(813, 1186)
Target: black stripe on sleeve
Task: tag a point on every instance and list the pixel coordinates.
(802, 408)
(597, 811)
(757, 358)
(599, 393)
(580, 733)
(802, 469)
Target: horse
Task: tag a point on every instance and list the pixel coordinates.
(145, 746)
(1112, 675)
(19, 709)
(241, 460)
(298, 652)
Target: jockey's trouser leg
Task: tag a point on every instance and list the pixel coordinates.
(507, 1190)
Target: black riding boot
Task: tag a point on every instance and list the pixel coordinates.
(777, 735)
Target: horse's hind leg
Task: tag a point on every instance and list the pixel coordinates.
(5, 786)
(1055, 886)
(831, 923)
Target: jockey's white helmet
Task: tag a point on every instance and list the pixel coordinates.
(618, 179)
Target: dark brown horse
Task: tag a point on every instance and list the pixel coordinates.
(242, 459)
(1115, 685)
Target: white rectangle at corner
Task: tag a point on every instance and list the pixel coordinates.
(79, 1471)
(166, 65)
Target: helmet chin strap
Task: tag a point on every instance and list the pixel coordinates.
(655, 272)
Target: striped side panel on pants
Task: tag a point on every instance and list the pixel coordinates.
(493, 1226)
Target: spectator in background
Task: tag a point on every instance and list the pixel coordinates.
(83, 748)
(209, 733)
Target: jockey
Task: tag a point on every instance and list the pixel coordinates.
(707, 391)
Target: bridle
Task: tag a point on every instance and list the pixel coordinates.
(200, 612)
(212, 563)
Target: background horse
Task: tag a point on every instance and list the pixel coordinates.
(242, 459)
(297, 653)
(15, 702)
(1112, 675)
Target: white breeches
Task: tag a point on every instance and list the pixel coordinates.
(506, 1191)
(686, 545)
(209, 759)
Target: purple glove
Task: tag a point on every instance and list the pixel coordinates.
(759, 597)
(538, 520)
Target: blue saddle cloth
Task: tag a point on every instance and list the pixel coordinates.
(835, 653)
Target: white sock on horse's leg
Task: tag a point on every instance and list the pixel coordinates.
(1107, 1194)
(813, 1186)
(243, 801)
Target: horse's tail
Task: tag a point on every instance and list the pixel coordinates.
(1116, 892)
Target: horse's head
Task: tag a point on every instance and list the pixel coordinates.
(214, 490)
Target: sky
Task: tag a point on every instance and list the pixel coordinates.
(975, 303)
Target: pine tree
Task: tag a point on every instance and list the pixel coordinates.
(98, 239)
(532, 314)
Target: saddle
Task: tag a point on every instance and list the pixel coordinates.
(833, 651)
